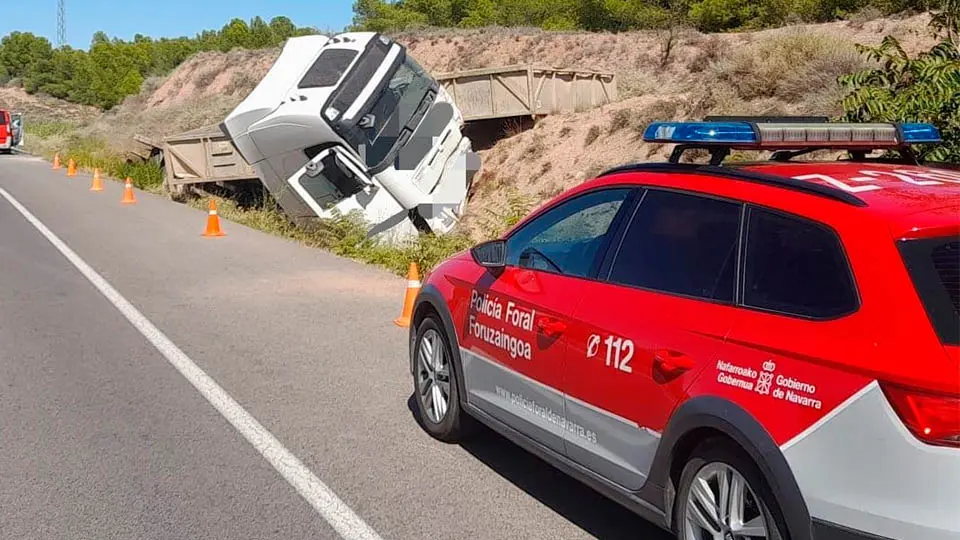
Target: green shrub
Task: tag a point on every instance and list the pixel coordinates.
(924, 88)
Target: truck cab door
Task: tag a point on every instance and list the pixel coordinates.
(328, 179)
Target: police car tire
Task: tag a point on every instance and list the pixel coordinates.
(456, 424)
(714, 451)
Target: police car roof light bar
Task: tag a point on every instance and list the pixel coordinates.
(776, 134)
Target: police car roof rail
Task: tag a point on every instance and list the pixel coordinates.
(733, 173)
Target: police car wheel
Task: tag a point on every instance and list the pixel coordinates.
(435, 384)
(723, 495)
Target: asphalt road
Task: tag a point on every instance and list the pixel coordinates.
(102, 437)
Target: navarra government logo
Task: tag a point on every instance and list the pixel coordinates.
(764, 381)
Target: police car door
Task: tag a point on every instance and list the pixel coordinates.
(642, 334)
(514, 343)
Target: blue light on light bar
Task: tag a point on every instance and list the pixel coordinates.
(701, 132)
(920, 134)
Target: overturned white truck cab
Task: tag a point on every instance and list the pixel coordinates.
(351, 122)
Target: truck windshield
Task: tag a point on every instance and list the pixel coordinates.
(398, 103)
(402, 99)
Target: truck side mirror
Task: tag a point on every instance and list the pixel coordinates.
(491, 254)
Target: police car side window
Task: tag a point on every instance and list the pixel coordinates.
(797, 267)
(681, 243)
(566, 239)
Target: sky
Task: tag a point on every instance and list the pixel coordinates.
(163, 18)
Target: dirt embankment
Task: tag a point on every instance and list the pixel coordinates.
(45, 108)
(661, 75)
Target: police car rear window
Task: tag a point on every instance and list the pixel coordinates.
(796, 267)
(329, 67)
(934, 266)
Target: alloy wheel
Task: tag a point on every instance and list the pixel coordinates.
(433, 376)
(721, 505)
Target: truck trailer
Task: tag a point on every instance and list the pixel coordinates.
(353, 123)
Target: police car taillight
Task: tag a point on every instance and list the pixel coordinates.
(932, 418)
(774, 135)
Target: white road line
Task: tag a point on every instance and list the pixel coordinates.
(348, 524)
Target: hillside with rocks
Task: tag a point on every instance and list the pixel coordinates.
(672, 74)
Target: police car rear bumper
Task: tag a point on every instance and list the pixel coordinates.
(862, 470)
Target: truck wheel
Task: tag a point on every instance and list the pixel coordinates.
(435, 384)
(723, 495)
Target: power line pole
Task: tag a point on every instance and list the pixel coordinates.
(61, 23)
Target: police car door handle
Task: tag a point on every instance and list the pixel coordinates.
(673, 361)
(551, 326)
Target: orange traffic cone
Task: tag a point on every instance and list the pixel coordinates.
(97, 184)
(413, 289)
(128, 197)
(72, 168)
(213, 221)
(56, 161)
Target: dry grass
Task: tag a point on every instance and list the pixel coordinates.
(242, 83)
(592, 134)
(535, 150)
(787, 67)
(620, 120)
(205, 78)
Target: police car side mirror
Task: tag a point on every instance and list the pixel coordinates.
(491, 254)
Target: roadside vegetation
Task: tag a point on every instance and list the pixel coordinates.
(922, 88)
(49, 138)
(113, 68)
(617, 15)
(344, 235)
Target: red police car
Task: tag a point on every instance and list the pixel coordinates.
(734, 351)
(7, 136)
